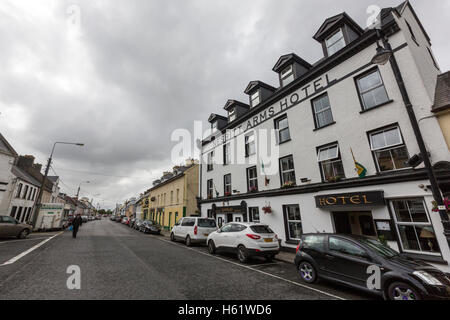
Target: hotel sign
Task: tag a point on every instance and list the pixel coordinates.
(230, 209)
(354, 199)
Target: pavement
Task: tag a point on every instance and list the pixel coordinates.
(116, 262)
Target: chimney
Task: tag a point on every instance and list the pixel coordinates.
(25, 162)
(37, 167)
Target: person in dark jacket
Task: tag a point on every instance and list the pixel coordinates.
(76, 223)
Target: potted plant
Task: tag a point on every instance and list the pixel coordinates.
(227, 194)
(287, 184)
(446, 204)
(267, 209)
(253, 189)
(334, 179)
(209, 196)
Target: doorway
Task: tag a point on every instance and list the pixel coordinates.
(229, 217)
(357, 223)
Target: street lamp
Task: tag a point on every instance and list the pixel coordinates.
(78, 192)
(382, 56)
(41, 190)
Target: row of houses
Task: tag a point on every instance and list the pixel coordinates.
(20, 182)
(333, 147)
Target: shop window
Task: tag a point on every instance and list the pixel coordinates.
(253, 214)
(13, 212)
(227, 185)
(250, 147)
(287, 171)
(389, 151)
(329, 159)
(414, 228)
(371, 90)
(322, 111)
(335, 42)
(293, 221)
(282, 127)
(252, 179)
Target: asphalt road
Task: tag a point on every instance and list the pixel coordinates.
(117, 262)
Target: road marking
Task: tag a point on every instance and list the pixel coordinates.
(23, 254)
(260, 271)
(29, 239)
(264, 264)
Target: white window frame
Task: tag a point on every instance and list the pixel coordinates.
(225, 184)
(427, 224)
(227, 153)
(209, 161)
(326, 109)
(210, 188)
(386, 145)
(232, 115)
(249, 179)
(376, 86)
(249, 143)
(285, 207)
(287, 171)
(255, 99)
(277, 123)
(287, 75)
(251, 211)
(329, 45)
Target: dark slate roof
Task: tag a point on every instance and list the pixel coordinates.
(53, 179)
(213, 117)
(23, 175)
(231, 103)
(258, 84)
(5, 147)
(286, 59)
(329, 25)
(442, 93)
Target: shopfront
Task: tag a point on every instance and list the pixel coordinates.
(226, 214)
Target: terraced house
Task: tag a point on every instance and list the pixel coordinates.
(346, 149)
(174, 195)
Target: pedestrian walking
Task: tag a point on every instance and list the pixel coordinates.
(76, 223)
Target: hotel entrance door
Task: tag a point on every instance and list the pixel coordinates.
(357, 223)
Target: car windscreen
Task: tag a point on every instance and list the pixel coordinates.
(379, 248)
(261, 229)
(206, 223)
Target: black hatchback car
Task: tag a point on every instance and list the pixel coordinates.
(149, 226)
(367, 264)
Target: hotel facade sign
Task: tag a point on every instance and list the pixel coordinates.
(354, 199)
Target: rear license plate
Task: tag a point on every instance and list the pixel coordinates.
(206, 234)
(268, 240)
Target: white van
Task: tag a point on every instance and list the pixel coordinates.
(193, 229)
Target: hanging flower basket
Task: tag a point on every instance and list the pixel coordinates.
(446, 204)
(253, 189)
(227, 194)
(267, 209)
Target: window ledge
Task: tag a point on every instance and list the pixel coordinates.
(284, 141)
(377, 106)
(327, 125)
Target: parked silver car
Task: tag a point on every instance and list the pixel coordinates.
(10, 227)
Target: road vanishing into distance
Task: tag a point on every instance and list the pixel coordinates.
(116, 262)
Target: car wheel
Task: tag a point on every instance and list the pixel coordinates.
(307, 272)
(188, 241)
(402, 291)
(23, 234)
(242, 254)
(172, 237)
(211, 247)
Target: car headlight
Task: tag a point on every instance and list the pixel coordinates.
(427, 278)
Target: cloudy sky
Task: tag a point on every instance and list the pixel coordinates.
(120, 76)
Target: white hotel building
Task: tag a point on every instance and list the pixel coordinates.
(319, 113)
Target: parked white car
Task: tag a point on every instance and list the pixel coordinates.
(245, 239)
(193, 230)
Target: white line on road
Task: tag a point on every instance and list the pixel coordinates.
(23, 254)
(29, 239)
(260, 271)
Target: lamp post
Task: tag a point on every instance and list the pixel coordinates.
(383, 55)
(79, 186)
(41, 190)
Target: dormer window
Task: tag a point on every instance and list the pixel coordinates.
(214, 126)
(335, 42)
(254, 99)
(287, 76)
(232, 115)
